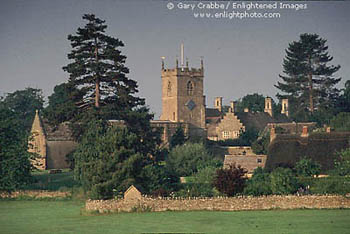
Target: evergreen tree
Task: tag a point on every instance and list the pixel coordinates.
(308, 82)
(99, 73)
(178, 138)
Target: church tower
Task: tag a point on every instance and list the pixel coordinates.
(182, 94)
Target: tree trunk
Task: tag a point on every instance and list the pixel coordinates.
(97, 82)
(311, 93)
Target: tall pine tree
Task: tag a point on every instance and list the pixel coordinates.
(98, 71)
(99, 77)
(308, 82)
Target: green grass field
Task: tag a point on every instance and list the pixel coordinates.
(52, 182)
(64, 217)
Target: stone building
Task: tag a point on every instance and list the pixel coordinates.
(50, 144)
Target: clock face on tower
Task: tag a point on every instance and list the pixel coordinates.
(190, 105)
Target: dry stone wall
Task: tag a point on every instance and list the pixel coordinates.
(222, 204)
(35, 194)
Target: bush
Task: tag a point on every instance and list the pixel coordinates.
(307, 167)
(342, 165)
(259, 184)
(230, 181)
(331, 185)
(186, 159)
(283, 181)
(109, 159)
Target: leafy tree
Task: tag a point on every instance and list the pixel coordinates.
(15, 165)
(255, 102)
(259, 184)
(61, 107)
(158, 180)
(342, 165)
(230, 181)
(308, 82)
(108, 158)
(260, 146)
(307, 167)
(186, 159)
(24, 103)
(283, 181)
(178, 138)
(341, 122)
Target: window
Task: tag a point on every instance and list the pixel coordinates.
(259, 160)
(169, 89)
(190, 88)
(225, 134)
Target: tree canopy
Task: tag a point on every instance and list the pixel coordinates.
(61, 108)
(98, 70)
(309, 81)
(14, 158)
(254, 102)
(24, 103)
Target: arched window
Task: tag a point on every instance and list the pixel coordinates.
(169, 89)
(190, 88)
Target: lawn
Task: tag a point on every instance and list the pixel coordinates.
(64, 217)
(52, 182)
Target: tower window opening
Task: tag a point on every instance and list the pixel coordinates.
(190, 88)
(169, 89)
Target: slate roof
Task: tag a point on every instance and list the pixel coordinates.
(60, 133)
(259, 120)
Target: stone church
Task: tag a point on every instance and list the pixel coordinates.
(184, 105)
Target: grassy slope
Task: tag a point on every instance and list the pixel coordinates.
(64, 217)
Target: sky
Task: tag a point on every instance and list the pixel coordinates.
(241, 56)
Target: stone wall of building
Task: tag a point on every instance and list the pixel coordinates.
(57, 152)
(229, 127)
(222, 204)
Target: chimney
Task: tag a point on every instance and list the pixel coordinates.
(218, 103)
(232, 106)
(272, 134)
(305, 132)
(268, 106)
(285, 107)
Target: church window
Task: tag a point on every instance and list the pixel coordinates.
(169, 89)
(190, 88)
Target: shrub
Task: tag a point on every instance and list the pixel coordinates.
(259, 184)
(331, 185)
(230, 181)
(186, 159)
(307, 167)
(283, 181)
(342, 165)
